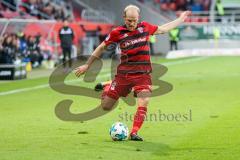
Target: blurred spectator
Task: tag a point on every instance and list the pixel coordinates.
(8, 49)
(181, 5)
(220, 8)
(169, 7)
(174, 38)
(206, 5)
(42, 9)
(22, 43)
(220, 11)
(10, 4)
(197, 6)
(59, 15)
(34, 52)
(66, 36)
(15, 47)
(32, 8)
(152, 41)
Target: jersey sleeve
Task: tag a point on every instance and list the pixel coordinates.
(113, 37)
(150, 27)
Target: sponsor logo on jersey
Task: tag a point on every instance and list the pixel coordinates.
(128, 43)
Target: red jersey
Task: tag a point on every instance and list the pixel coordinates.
(134, 46)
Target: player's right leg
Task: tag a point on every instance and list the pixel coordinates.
(112, 91)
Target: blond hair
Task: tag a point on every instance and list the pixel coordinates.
(131, 6)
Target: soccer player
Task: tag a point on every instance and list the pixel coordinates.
(133, 72)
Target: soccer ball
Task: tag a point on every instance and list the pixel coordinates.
(119, 131)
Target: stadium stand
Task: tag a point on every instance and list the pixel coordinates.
(41, 9)
(197, 32)
(172, 8)
(29, 27)
(30, 38)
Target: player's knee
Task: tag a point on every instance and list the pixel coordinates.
(146, 93)
(143, 102)
(143, 98)
(108, 103)
(106, 106)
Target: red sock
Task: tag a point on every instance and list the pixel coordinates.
(138, 119)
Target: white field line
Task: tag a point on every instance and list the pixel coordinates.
(184, 61)
(98, 78)
(45, 86)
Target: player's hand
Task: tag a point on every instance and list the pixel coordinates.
(184, 15)
(81, 70)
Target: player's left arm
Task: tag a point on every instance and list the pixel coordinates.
(173, 24)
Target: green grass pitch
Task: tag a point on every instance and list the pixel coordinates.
(208, 87)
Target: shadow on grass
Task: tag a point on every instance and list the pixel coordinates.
(155, 148)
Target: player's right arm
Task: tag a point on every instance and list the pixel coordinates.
(111, 38)
(95, 55)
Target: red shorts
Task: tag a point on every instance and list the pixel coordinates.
(122, 85)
